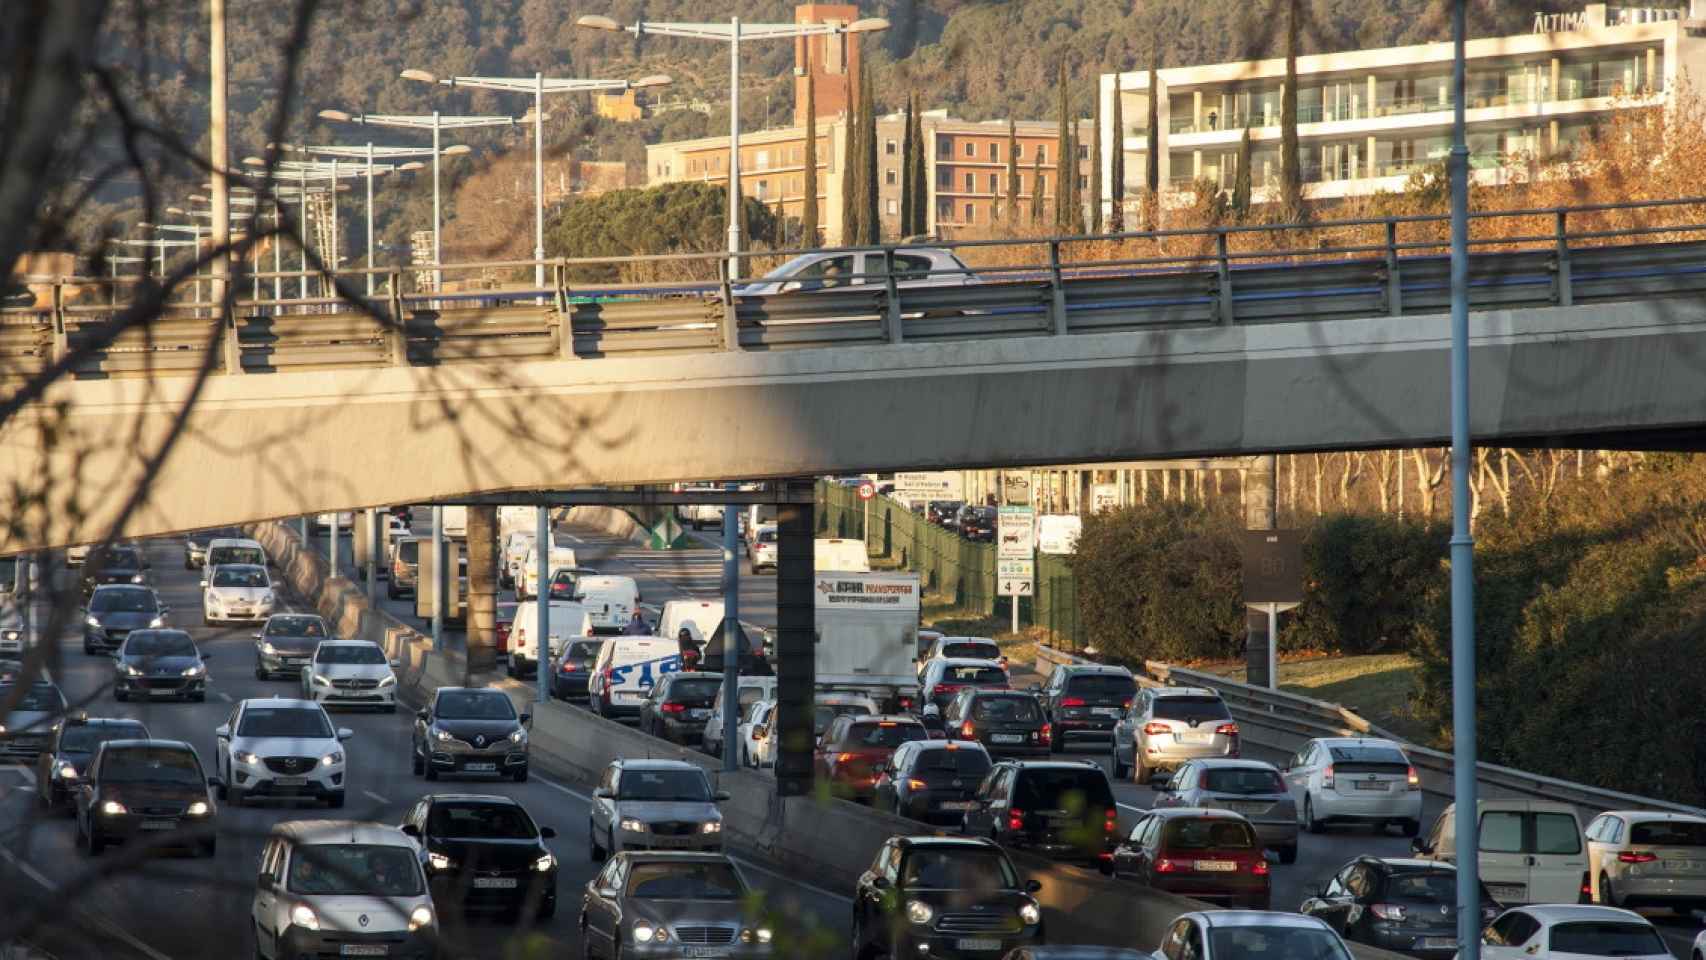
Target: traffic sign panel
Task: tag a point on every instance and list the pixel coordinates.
(1016, 534)
(867, 491)
(1015, 569)
(1017, 587)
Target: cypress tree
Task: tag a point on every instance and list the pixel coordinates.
(1012, 173)
(808, 218)
(1152, 156)
(1241, 179)
(1096, 164)
(920, 174)
(1116, 173)
(850, 208)
(870, 218)
(1063, 161)
(1291, 175)
(906, 197)
(1036, 188)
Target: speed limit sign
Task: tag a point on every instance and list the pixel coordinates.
(867, 490)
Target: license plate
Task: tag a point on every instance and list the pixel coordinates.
(1007, 738)
(698, 714)
(1216, 866)
(364, 950)
(1193, 737)
(1439, 943)
(704, 951)
(1247, 807)
(628, 695)
(159, 824)
(970, 943)
(291, 781)
(1106, 711)
(494, 883)
(163, 692)
(957, 805)
(1508, 891)
(480, 767)
(1372, 785)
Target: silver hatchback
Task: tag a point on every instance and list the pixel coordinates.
(1167, 726)
(1248, 787)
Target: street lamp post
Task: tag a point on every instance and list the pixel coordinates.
(538, 85)
(305, 171)
(436, 122)
(113, 262)
(369, 153)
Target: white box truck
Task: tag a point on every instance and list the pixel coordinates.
(867, 635)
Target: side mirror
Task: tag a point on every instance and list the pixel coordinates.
(396, 663)
(938, 735)
(1419, 845)
(547, 833)
(264, 881)
(1033, 886)
(880, 882)
(256, 635)
(526, 719)
(344, 733)
(1166, 787)
(223, 731)
(410, 830)
(606, 892)
(720, 796)
(207, 654)
(791, 286)
(602, 793)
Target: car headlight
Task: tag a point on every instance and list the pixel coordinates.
(303, 916)
(266, 599)
(919, 912)
(136, 578)
(441, 735)
(420, 917)
(1030, 914)
(197, 809)
(517, 735)
(545, 864)
(438, 861)
(129, 670)
(91, 621)
(195, 671)
(157, 623)
(388, 681)
(322, 681)
(268, 649)
(760, 935)
(634, 826)
(764, 934)
(332, 759)
(244, 756)
(112, 808)
(714, 826)
(65, 771)
(644, 932)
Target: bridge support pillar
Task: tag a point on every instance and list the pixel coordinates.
(482, 592)
(796, 630)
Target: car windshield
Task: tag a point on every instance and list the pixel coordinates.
(1208, 833)
(978, 676)
(250, 555)
(37, 698)
(1669, 833)
(824, 714)
(481, 821)
(791, 267)
(120, 560)
(1368, 754)
(123, 601)
(1014, 709)
(159, 644)
(84, 738)
(1102, 685)
(1276, 943)
(697, 688)
(685, 881)
(1191, 709)
(239, 577)
(957, 869)
(355, 870)
(971, 649)
(1423, 886)
(1063, 788)
(173, 765)
(1242, 780)
(683, 785)
(365, 654)
(296, 627)
(1607, 938)
(766, 536)
(887, 733)
(409, 551)
(583, 649)
(474, 705)
(959, 760)
(297, 722)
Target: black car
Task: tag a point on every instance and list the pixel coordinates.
(471, 730)
(1085, 701)
(482, 854)
(1408, 906)
(32, 714)
(159, 663)
(942, 513)
(573, 666)
(943, 897)
(1007, 722)
(285, 644)
(977, 524)
(113, 565)
(1059, 808)
(66, 761)
(931, 780)
(678, 705)
(114, 610)
(150, 789)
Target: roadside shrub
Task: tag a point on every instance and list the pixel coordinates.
(1367, 580)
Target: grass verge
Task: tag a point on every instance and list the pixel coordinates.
(1377, 686)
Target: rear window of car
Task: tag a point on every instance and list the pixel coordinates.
(967, 763)
(1063, 789)
(884, 734)
(1242, 780)
(584, 649)
(38, 698)
(695, 689)
(1208, 833)
(980, 651)
(1101, 685)
(1187, 709)
(1601, 938)
(84, 739)
(1430, 886)
(1019, 709)
(1668, 833)
(409, 551)
(120, 559)
(236, 555)
(980, 676)
(1370, 759)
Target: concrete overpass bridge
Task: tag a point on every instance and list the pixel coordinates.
(1590, 337)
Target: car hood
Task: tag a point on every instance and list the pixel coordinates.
(347, 913)
(286, 746)
(28, 721)
(996, 903)
(294, 646)
(161, 666)
(239, 593)
(125, 619)
(483, 854)
(654, 811)
(689, 912)
(468, 729)
(138, 795)
(353, 671)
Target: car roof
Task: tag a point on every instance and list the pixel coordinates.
(1357, 742)
(481, 690)
(1024, 765)
(1521, 805)
(654, 764)
(232, 542)
(1186, 692)
(833, 699)
(1257, 918)
(1099, 668)
(1551, 913)
(103, 722)
(349, 642)
(239, 566)
(906, 718)
(1197, 813)
(109, 587)
(1654, 816)
(341, 832)
(675, 856)
(277, 701)
(471, 798)
(947, 662)
(297, 614)
(1408, 864)
(972, 745)
(1232, 763)
(948, 639)
(145, 742)
(161, 630)
(950, 843)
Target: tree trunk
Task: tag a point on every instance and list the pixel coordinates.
(482, 593)
(1320, 472)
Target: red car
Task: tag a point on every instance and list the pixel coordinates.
(850, 749)
(1209, 855)
(505, 621)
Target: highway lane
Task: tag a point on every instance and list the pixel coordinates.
(176, 907)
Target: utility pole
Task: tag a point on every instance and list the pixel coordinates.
(221, 186)
(1261, 512)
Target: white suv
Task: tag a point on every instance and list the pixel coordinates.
(275, 747)
(351, 673)
(237, 591)
(342, 888)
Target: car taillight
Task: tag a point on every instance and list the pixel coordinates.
(1126, 705)
(1165, 865)
(1153, 729)
(1388, 911)
(1111, 820)
(967, 731)
(1072, 701)
(916, 784)
(843, 757)
(1047, 734)
(673, 708)
(1259, 867)
(605, 692)
(1413, 780)
(906, 703)
(1636, 856)
(1327, 778)
(1227, 729)
(567, 667)
(1015, 819)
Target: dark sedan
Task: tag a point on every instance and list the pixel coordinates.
(483, 853)
(678, 706)
(471, 730)
(114, 610)
(1408, 906)
(569, 674)
(159, 663)
(153, 790)
(931, 780)
(285, 644)
(113, 565)
(943, 897)
(1007, 722)
(65, 763)
(673, 904)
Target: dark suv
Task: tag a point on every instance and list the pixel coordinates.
(66, 762)
(931, 780)
(1403, 905)
(113, 565)
(678, 705)
(1007, 722)
(976, 524)
(154, 789)
(1085, 701)
(1058, 808)
(943, 897)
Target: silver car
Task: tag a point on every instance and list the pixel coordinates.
(1640, 858)
(671, 905)
(1166, 726)
(1355, 779)
(32, 721)
(654, 805)
(1248, 787)
(833, 269)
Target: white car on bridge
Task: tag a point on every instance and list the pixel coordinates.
(833, 269)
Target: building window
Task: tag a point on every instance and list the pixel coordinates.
(944, 178)
(763, 189)
(994, 153)
(893, 207)
(1042, 153)
(1041, 186)
(797, 185)
(889, 177)
(971, 149)
(971, 187)
(889, 147)
(1018, 151)
(763, 159)
(970, 213)
(1083, 182)
(944, 147)
(995, 183)
(944, 210)
(1083, 151)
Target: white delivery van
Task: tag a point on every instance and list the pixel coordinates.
(512, 519)
(840, 555)
(700, 617)
(1531, 851)
(231, 550)
(625, 671)
(867, 635)
(609, 601)
(1058, 533)
(567, 620)
(525, 584)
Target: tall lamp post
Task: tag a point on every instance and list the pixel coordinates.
(195, 228)
(538, 85)
(437, 123)
(369, 153)
(302, 174)
(112, 263)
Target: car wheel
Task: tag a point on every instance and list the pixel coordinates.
(120, 695)
(208, 848)
(92, 843)
(1057, 744)
(1140, 774)
(198, 697)
(415, 764)
(1309, 822)
(431, 771)
(1120, 767)
(1607, 896)
(1412, 828)
(335, 800)
(548, 909)
(594, 852)
(520, 776)
(260, 671)
(236, 796)
(1288, 853)
(88, 649)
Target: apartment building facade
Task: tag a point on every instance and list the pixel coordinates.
(1367, 119)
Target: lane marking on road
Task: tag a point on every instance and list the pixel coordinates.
(25, 868)
(376, 798)
(225, 696)
(106, 926)
(1127, 806)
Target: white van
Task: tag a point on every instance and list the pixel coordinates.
(525, 584)
(840, 555)
(568, 620)
(700, 617)
(752, 690)
(231, 550)
(609, 601)
(625, 671)
(1531, 851)
(377, 893)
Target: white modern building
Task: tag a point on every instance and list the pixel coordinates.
(1368, 118)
